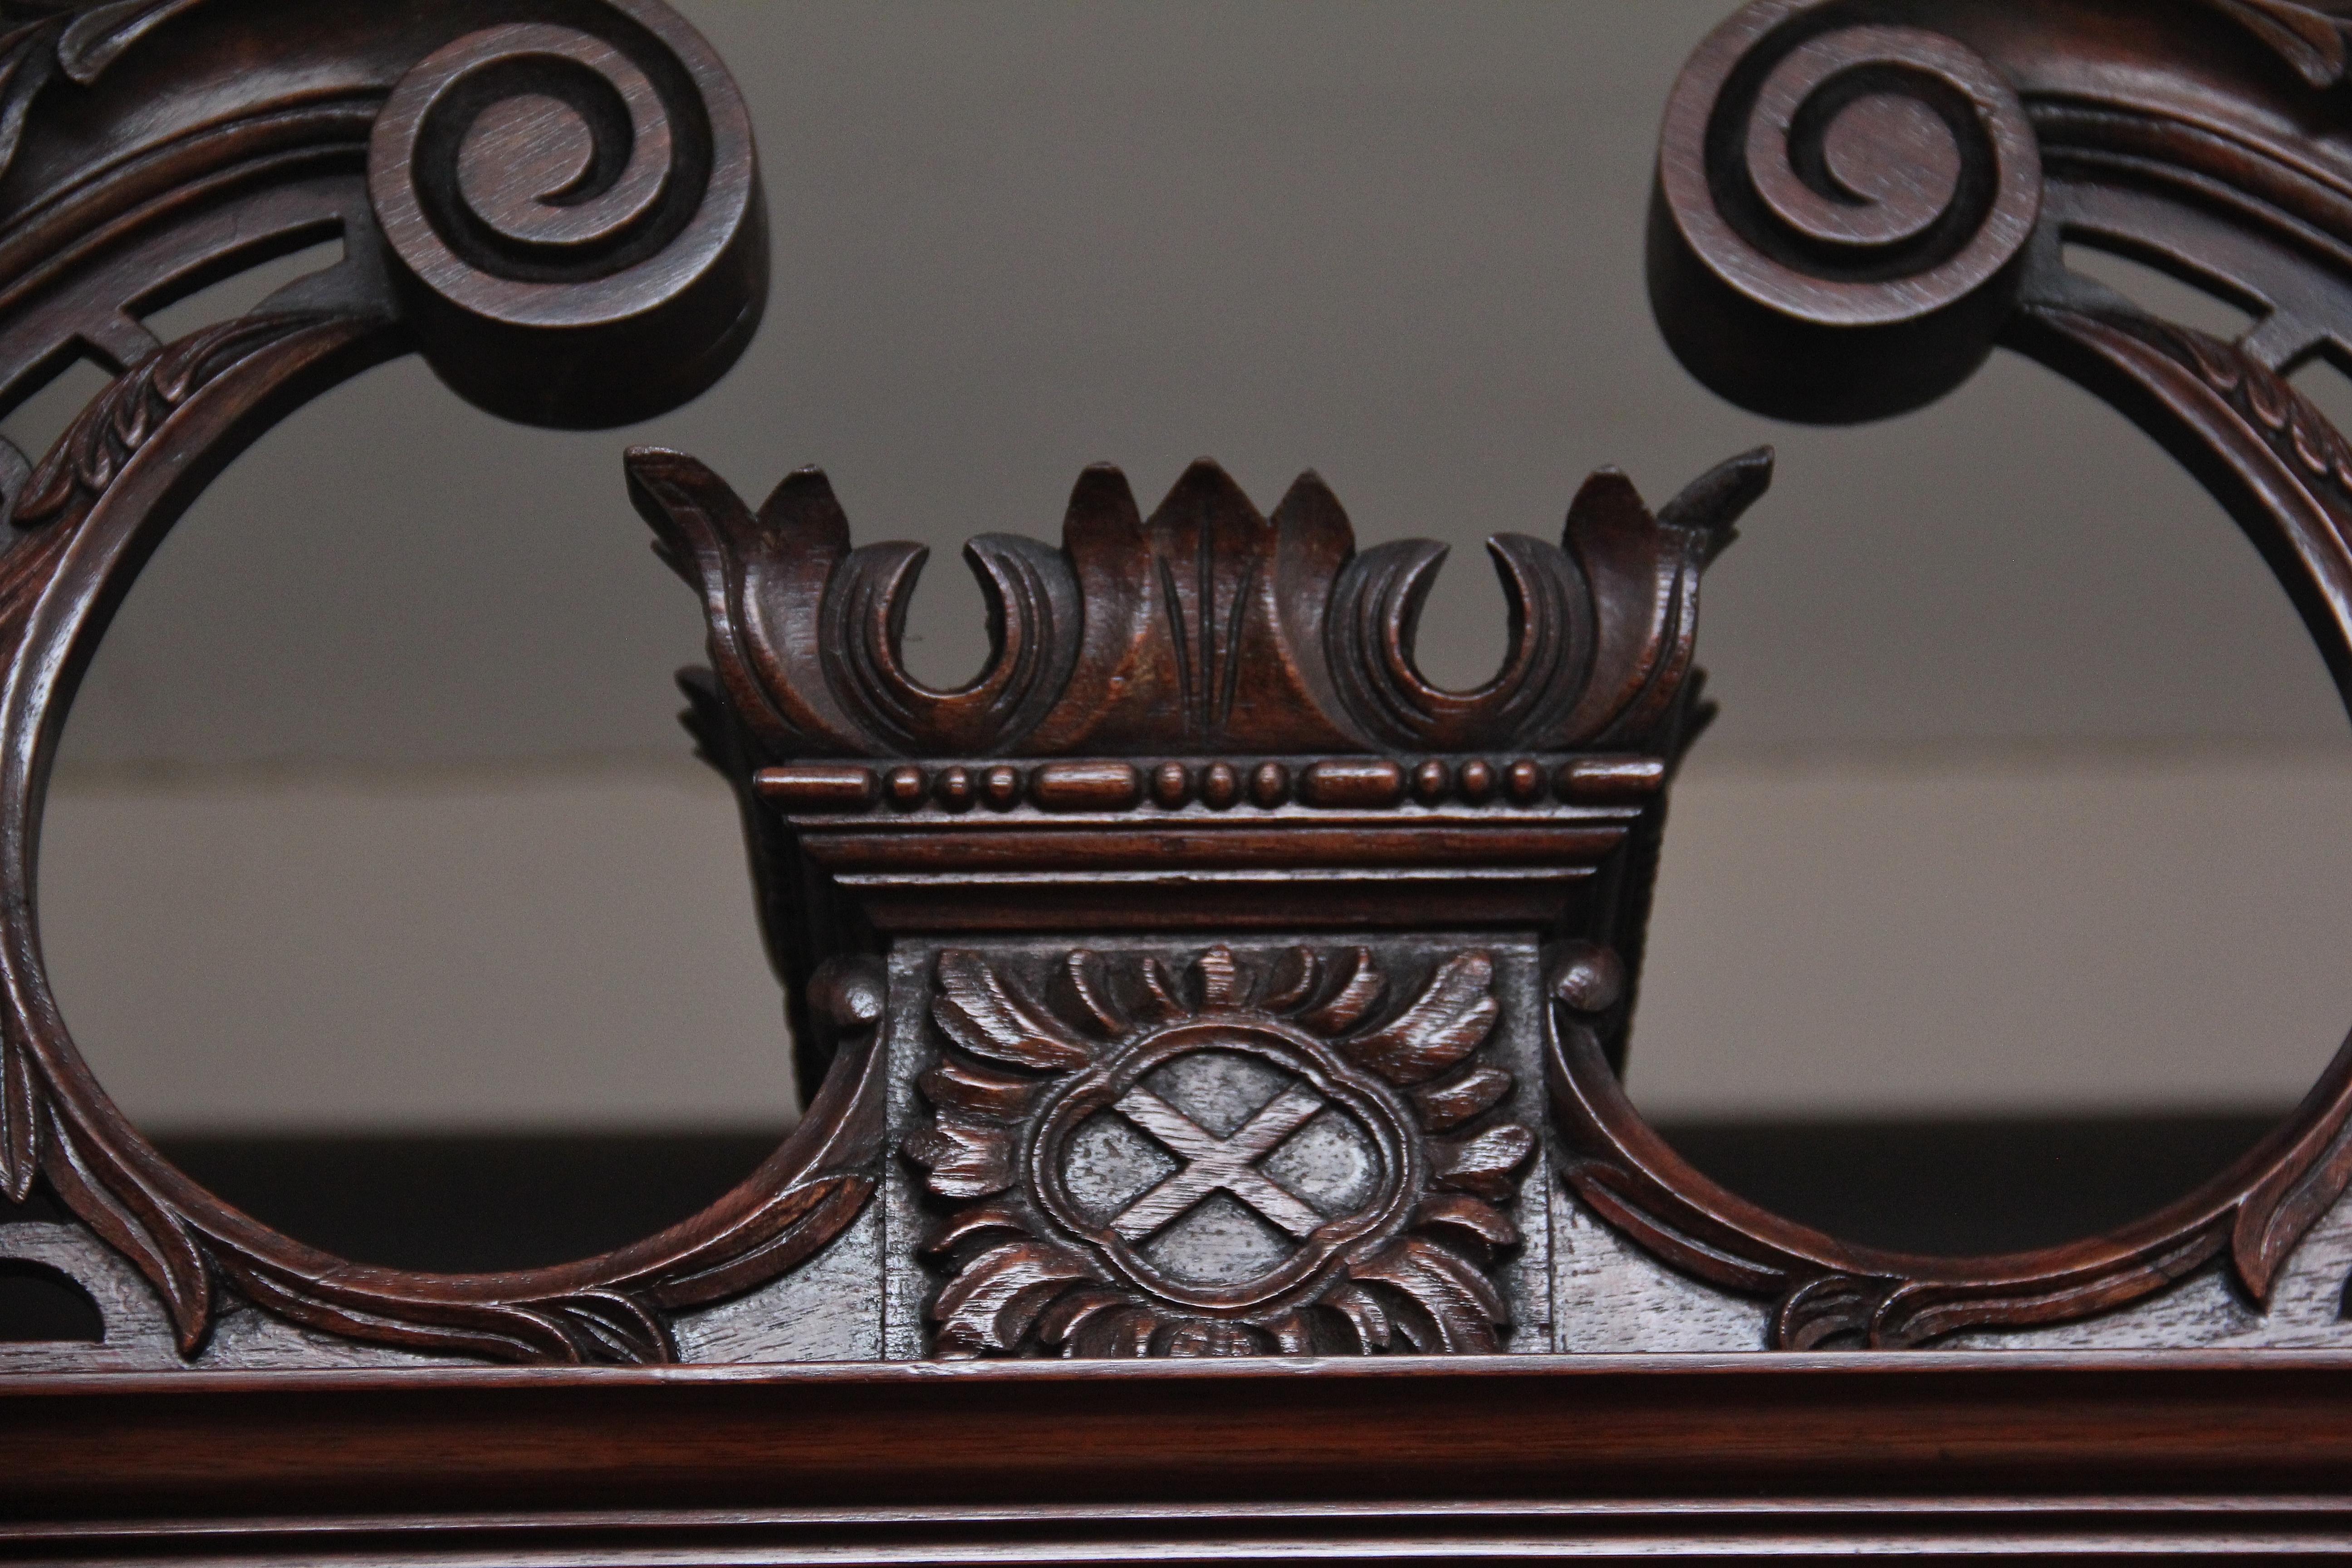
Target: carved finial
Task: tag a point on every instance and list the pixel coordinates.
(1207, 628)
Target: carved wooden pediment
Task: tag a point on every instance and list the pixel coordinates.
(1201, 983)
(1207, 629)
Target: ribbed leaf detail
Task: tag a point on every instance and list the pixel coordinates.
(979, 1012)
(1450, 1018)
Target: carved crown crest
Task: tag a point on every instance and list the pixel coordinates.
(1207, 628)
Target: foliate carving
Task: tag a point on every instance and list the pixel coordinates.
(1784, 275)
(1827, 1294)
(2310, 36)
(620, 285)
(1207, 629)
(77, 39)
(1261, 1157)
(2265, 402)
(127, 415)
(611, 1309)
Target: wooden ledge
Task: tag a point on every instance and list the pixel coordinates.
(2146, 1431)
(1936, 1530)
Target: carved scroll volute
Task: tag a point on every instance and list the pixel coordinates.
(1197, 622)
(1841, 212)
(1033, 616)
(557, 201)
(1548, 645)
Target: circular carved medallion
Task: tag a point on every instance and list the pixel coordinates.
(1253, 1165)
(1220, 1165)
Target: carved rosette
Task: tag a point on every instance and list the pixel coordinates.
(1262, 1159)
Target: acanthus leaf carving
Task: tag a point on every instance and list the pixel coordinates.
(120, 422)
(78, 39)
(1451, 1018)
(1065, 1233)
(1205, 627)
(1648, 569)
(1032, 609)
(121, 1205)
(1376, 614)
(763, 578)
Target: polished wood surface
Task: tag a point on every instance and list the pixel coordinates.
(1426, 1459)
(1201, 982)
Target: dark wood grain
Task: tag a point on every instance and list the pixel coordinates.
(1389, 1250)
(2226, 1453)
(284, 126)
(1208, 630)
(1855, 204)
(1200, 782)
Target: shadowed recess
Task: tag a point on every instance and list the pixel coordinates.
(476, 1203)
(39, 1305)
(487, 1201)
(1960, 1188)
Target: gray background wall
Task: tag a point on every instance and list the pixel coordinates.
(2028, 792)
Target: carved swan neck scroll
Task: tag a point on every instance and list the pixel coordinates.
(1197, 978)
(147, 148)
(1856, 205)
(1202, 721)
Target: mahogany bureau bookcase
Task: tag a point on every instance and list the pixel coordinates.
(1217, 1149)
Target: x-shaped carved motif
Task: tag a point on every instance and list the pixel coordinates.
(1215, 1164)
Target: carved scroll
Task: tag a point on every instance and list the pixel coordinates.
(1856, 205)
(1204, 722)
(529, 282)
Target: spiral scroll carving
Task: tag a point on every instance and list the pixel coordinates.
(1857, 191)
(559, 201)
